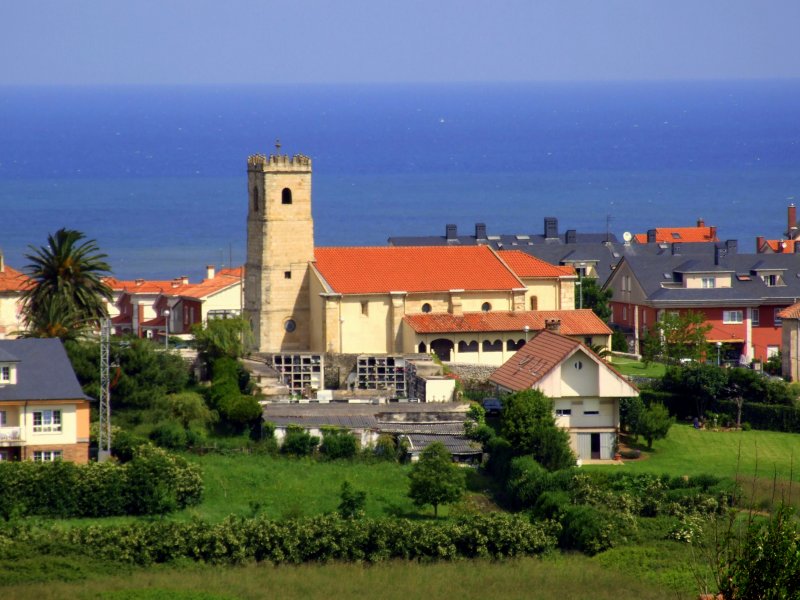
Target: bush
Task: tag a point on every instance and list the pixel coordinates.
(552, 505)
(298, 442)
(386, 447)
(527, 479)
(587, 529)
(169, 435)
(338, 443)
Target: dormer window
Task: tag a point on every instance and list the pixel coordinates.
(709, 282)
(5, 374)
(771, 280)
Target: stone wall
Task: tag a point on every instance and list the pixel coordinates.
(472, 372)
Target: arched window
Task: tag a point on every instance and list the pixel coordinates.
(496, 346)
(421, 348)
(286, 196)
(426, 308)
(256, 203)
(486, 307)
(468, 347)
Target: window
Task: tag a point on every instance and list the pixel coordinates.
(624, 313)
(426, 308)
(47, 421)
(773, 351)
(286, 196)
(468, 347)
(578, 365)
(775, 318)
(708, 282)
(5, 374)
(755, 316)
(496, 346)
(732, 316)
(3, 418)
(587, 340)
(591, 412)
(287, 274)
(46, 455)
(563, 412)
(644, 317)
(255, 200)
(290, 325)
(771, 280)
(534, 303)
(421, 348)
(365, 308)
(486, 307)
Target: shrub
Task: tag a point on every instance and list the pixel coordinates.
(386, 447)
(298, 442)
(587, 529)
(352, 501)
(552, 505)
(338, 443)
(170, 435)
(527, 479)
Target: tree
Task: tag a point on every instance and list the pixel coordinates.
(619, 343)
(352, 501)
(68, 291)
(435, 479)
(220, 338)
(594, 297)
(630, 414)
(530, 426)
(683, 335)
(651, 347)
(654, 423)
(702, 383)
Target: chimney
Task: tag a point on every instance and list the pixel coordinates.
(451, 232)
(550, 227)
(712, 232)
(720, 252)
(760, 244)
(651, 236)
(176, 282)
(553, 325)
(676, 248)
(184, 280)
(701, 222)
(792, 217)
(572, 236)
(209, 271)
(480, 231)
(2, 263)
(138, 281)
(732, 246)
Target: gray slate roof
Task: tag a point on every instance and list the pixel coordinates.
(43, 371)
(454, 444)
(653, 271)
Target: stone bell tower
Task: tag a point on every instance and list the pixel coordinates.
(280, 244)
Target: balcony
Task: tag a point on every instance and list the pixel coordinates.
(10, 436)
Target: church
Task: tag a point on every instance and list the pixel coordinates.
(472, 305)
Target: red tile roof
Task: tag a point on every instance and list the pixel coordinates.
(534, 361)
(681, 234)
(573, 322)
(779, 246)
(143, 286)
(225, 278)
(525, 265)
(413, 269)
(12, 280)
(790, 312)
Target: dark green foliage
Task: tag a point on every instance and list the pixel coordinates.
(594, 297)
(220, 338)
(500, 455)
(630, 413)
(619, 343)
(435, 479)
(154, 482)
(229, 395)
(125, 444)
(352, 501)
(319, 539)
(526, 481)
(683, 335)
(68, 292)
(298, 442)
(170, 435)
(338, 443)
(552, 505)
(654, 423)
(530, 427)
(702, 383)
(386, 447)
(588, 529)
(482, 434)
(773, 365)
(650, 346)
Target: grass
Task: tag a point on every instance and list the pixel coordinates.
(558, 577)
(635, 368)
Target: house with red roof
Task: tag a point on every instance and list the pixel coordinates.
(584, 388)
(789, 243)
(12, 284)
(660, 235)
(134, 303)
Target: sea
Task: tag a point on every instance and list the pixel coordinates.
(157, 175)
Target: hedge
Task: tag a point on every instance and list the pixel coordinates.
(318, 539)
(772, 417)
(154, 482)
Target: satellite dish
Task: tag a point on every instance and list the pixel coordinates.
(627, 236)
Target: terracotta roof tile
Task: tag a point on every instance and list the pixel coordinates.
(573, 322)
(790, 312)
(225, 278)
(681, 234)
(413, 269)
(525, 265)
(780, 246)
(142, 286)
(12, 280)
(534, 360)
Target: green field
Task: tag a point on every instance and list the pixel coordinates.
(634, 368)
(556, 578)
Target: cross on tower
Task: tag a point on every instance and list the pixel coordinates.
(277, 146)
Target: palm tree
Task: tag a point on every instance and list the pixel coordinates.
(67, 292)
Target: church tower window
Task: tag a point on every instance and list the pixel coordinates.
(286, 196)
(255, 200)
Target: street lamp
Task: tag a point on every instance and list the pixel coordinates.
(581, 267)
(719, 347)
(526, 329)
(166, 329)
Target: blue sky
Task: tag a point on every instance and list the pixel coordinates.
(315, 41)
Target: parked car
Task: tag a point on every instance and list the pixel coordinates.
(492, 406)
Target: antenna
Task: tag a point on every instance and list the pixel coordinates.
(609, 218)
(104, 434)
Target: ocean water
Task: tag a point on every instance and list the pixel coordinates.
(157, 175)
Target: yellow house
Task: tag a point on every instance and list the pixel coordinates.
(44, 414)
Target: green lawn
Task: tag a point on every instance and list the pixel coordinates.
(634, 368)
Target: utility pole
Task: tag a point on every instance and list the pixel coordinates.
(104, 434)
